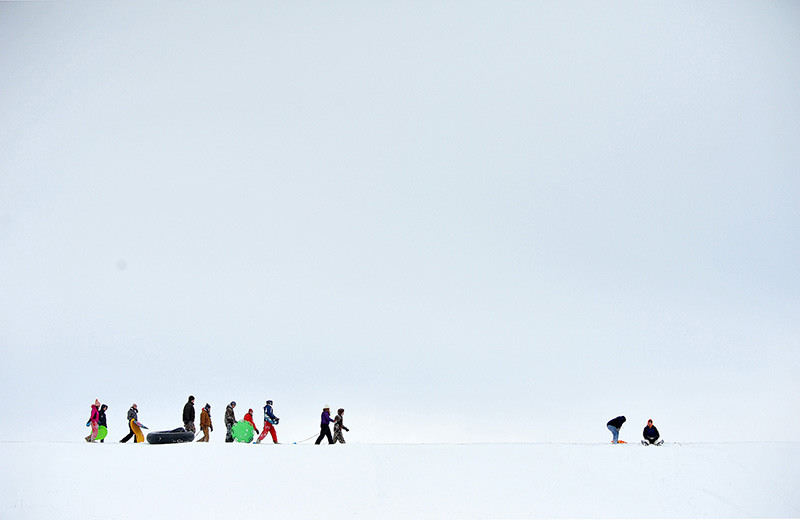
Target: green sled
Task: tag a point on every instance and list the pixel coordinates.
(242, 431)
(102, 431)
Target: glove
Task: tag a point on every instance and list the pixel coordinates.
(277, 420)
(88, 423)
(347, 429)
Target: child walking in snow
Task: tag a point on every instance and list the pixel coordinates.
(101, 420)
(205, 423)
(338, 426)
(94, 420)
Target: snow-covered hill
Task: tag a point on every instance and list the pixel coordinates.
(78, 480)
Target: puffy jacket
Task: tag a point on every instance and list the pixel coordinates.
(188, 412)
(101, 416)
(205, 419)
(95, 415)
(650, 433)
(617, 422)
(230, 418)
(133, 413)
(326, 418)
(249, 418)
(269, 416)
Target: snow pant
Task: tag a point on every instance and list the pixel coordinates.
(337, 435)
(268, 428)
(229, 435)
(615, 432)
(129, 436)
(205, 436)
(651, 441)
(324, 431)
(189, 427)
(92, 436)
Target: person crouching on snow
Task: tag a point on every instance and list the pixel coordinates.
(205, 423)
(269, 424)
(94, 421)
(651, 435)
(614, 425)
(248, 417)
(338, 426)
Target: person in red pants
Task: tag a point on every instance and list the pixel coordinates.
(269, 424)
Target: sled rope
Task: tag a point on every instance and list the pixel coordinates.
(304, 440)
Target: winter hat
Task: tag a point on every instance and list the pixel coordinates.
(233, 403)
(191, 398)
(207, 407)
(269, 401)
(250, 411)
(340, 410)
(326, 407)
(97, 402)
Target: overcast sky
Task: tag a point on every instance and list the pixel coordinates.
(460, 221)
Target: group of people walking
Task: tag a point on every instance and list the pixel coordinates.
(98, 418)
(650, 432)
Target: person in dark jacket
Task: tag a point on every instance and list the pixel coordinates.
(188, 415)
(133, 413)
(230, 420)
(102, 419)
(338, 426)
(270, 420)
(650, 434)
(324, 426)
(614, 426)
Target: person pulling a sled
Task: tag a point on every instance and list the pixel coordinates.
(338, 426)
(269, 424)
(614, 426)
(133, 414)
(324, 426)
(651, 435)
(101, 418)
(188, 415)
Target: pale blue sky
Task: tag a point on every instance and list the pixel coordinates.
(461, 221)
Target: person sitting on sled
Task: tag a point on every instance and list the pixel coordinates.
(650, 434)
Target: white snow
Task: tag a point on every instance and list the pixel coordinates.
(80, 480)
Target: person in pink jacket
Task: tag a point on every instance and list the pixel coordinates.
(94, 420)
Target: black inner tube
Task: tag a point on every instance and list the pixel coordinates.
(170, 437)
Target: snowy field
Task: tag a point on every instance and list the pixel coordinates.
(74, 480)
